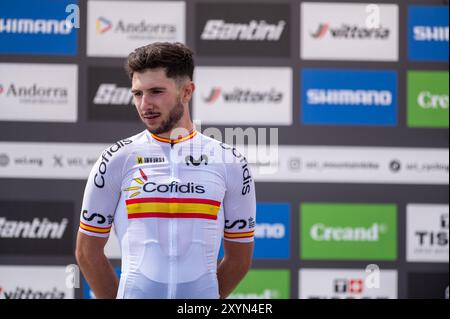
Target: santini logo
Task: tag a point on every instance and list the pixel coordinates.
(37, 228)
(35, 26)
(350, 32)
(252, 31)
(321, 232)
(349, 97)
(244, 96)
(109, 93)
(427, 33)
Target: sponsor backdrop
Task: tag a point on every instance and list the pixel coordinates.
(351, 97)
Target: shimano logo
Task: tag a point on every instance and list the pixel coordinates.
(428, 100)
(244, 96)
(428, 33)
(35, 26)
(37, 228)
(349, 97)
(252, 31)
(109, 93)
(321, 232)
(350, 32)
(28, 293)
(270, 231)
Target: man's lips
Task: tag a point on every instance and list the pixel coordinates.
(151, 116)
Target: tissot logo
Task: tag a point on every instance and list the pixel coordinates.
(24, 224)
(243, 29)
(347, 31)
(427, 232)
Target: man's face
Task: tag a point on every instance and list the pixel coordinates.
(157, 99)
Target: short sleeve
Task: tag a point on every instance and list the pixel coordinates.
(240, 199)
(102, 193)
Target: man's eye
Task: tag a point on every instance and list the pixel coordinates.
(137, 94)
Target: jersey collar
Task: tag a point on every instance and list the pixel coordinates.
(169, 141)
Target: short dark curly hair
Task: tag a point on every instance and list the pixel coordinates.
(176, 58)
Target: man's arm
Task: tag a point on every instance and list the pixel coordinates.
(234, 266)
(95, 267)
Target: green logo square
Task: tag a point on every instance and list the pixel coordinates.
(263, 284)
(427, 99)
(348, 231)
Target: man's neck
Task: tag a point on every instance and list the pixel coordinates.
(179, 131)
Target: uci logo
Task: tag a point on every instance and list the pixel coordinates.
(196, 162)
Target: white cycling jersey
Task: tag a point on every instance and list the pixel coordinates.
(171, 202)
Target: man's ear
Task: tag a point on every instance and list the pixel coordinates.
(188, 90)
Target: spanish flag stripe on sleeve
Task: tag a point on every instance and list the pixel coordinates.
(94, 229)
(239, 235)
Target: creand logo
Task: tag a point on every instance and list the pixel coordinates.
(428, 100)
(251, 31)
(322, 232)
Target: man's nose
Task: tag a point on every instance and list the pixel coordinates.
(146, 102)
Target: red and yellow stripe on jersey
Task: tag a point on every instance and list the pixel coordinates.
(172, 208)
(247, 234)
(95, 229)
(175, 141)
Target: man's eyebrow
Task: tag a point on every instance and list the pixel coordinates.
(149, 89)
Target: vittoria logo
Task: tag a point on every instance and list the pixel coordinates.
(239, 95)
(28, 293)
(347, 31)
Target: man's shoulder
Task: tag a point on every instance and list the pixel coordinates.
(123, 147)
